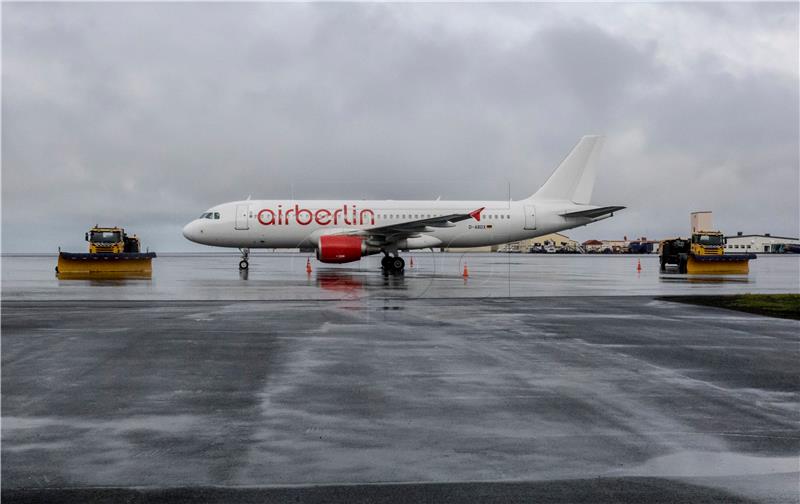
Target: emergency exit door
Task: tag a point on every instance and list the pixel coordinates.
(241, 217)
(530, 217)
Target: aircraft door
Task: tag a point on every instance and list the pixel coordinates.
(241, 217)
(530, 217)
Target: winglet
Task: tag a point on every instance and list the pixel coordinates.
(476, 214)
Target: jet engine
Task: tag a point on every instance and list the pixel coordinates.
(342, 249)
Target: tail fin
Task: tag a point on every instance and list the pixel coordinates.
(573, 180)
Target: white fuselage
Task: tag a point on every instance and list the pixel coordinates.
(345, 230)
(299, 224)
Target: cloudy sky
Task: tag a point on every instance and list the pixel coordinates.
(143, 115)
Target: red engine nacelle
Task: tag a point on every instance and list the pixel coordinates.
(340, 249)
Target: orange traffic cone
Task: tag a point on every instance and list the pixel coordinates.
(466, 271)
(639, 266)
(411, 264)
(308, 265)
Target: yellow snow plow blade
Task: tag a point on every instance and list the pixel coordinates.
(718, 265)
(104, 265)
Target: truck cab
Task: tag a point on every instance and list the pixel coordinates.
(105, 240)
(706, 243)
(111, 241)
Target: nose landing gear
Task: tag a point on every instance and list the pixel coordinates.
(244, 263)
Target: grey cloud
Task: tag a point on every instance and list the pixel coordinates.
(146, 114)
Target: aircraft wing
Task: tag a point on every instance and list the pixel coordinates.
(410, 228)
(594, 213)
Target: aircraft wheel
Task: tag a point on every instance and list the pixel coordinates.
(397, 264)
(243, 264)
(385, 262)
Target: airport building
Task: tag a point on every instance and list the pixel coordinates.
(762, 244)
(553, 242)
(637, 246)
(593, 246)
(558, 240)
(616, 246)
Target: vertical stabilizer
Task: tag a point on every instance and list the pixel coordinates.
(573, 180)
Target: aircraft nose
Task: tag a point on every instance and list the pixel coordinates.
(191, 231)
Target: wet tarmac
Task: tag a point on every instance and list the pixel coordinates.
(282, 276)
(375, 396)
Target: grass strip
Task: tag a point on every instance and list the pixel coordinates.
(770, 305)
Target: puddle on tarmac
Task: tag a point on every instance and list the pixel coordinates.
(282, 276)
(689, 464)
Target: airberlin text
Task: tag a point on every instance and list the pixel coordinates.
(348, 215)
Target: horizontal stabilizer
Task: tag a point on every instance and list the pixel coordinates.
(593, 213)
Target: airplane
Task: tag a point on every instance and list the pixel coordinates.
(342, 231)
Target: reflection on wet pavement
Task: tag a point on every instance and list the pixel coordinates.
(283, 276)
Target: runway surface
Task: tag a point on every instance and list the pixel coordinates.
(573, 399)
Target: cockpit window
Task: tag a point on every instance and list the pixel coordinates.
(216, 215)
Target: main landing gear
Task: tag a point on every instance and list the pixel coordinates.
(393, 264)
(244, 263)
